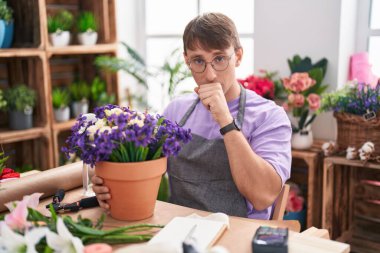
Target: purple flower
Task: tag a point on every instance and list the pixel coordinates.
(118, 134)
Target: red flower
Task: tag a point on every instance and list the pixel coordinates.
(9, 173)
(295, 202)
(262, 86)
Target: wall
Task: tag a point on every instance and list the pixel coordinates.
(314, 28)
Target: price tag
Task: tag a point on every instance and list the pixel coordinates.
(369, 115)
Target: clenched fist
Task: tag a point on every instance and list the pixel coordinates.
(212, 97)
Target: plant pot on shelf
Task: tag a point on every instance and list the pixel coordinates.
(88, 38)
(8, 35)
(60, 39)
(19, 120)
(2, 31)
(79, 107)
(300, 216)
(62, 114)
(302, 139)
(133, 186)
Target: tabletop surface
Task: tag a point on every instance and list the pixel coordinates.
(236, 239)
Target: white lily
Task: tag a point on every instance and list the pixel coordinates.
(64, 241)
(11, 241)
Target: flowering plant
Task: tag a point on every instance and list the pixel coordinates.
(262, 85)
(304, 88)
(25, 229)
(354, 98)
(118, 134)
(295, 200)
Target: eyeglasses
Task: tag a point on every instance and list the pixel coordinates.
(219, 63)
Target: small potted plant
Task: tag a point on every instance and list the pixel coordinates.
(61, 100)
(6, 25)
(99, 94)
(59, 28)
(20, 102)
(87, 28)
(80, 93)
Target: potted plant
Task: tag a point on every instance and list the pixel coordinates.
(87, 28)
(295, 209)
(6, 25)
(99, 94)
(61, 100)
(20, 102)
(80, 93)
(128, 150)
(357, 110)
(303, 87)
(59, 28)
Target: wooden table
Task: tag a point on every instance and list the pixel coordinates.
(236, 239)
(311, 158)
(338, 194)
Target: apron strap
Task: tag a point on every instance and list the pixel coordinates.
(188, 113)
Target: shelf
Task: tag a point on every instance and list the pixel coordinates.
(80, 49)
(64, 125)
(21, 52)
(8, 136)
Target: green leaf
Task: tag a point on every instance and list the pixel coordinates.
(302, 119)
(163, 192)
(157, 154)
(310, 120)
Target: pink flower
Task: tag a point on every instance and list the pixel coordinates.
(17, 218)
(30, 201)
(295, 202)
(297, 100)
(314, 101)
(298, 82)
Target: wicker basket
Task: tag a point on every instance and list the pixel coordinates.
(354, 130)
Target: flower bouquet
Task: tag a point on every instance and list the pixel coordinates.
(127, 146)
(357, 110)
(25, 229)
(304, 87)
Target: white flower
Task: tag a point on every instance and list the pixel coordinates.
(368, 147)
(90, 119)
(114, 111)
(328, 148)
(11, 241)
(351, 153)
(91, 130)
(64, 241)
(101, 123)
(105, 128)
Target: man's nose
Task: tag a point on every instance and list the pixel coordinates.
(210, 74)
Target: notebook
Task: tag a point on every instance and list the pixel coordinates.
(207, 232)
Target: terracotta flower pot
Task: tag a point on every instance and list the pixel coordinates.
(133, 187)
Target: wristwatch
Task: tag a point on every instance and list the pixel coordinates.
(229, 127)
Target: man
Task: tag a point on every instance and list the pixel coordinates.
(240, 153)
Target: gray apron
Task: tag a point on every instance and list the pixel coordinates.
(200, 176)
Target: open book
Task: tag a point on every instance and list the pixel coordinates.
(206, 233)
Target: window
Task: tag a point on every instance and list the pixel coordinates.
(374, 37)
(165, 21)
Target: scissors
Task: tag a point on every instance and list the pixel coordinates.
(188, 244)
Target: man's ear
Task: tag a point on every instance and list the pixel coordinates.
(239, 56)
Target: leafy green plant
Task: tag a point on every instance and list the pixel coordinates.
(20, 98)
(99, 94)
(134, 65)
(3, 102)
(63, 21)
(79, 91)
(175, 70)
(60, 97)
(87, 22)
(6, 13)
(3, 159)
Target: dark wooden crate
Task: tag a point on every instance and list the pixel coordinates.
(28, 71)
(27, 23)
(104, 11)
(35, 153)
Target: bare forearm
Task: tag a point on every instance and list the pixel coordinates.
(255, 178)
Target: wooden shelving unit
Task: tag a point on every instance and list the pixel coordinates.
(36, 63)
